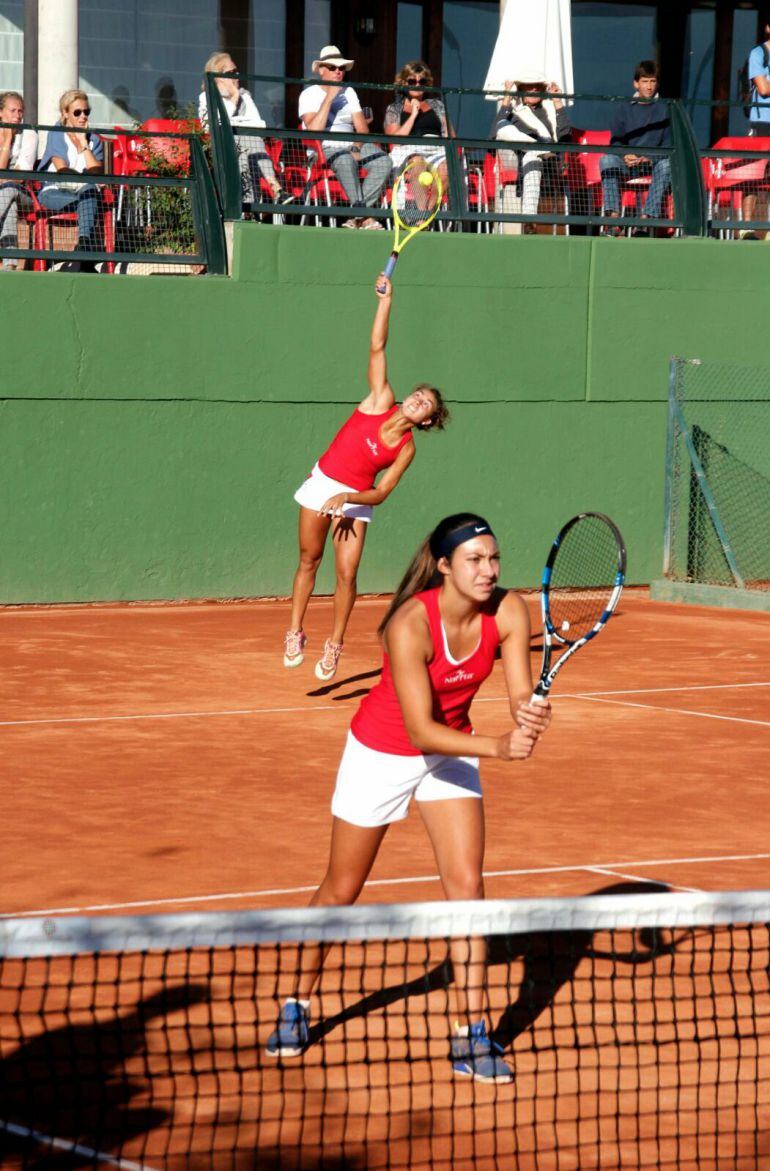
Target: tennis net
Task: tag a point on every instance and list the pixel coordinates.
(637, 1026)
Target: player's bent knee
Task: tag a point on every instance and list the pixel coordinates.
(464, 885)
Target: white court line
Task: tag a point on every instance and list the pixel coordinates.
(74, 1148)
(675, 711)
(278, 892)
(330, 707)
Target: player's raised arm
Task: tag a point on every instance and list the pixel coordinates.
(380, 397)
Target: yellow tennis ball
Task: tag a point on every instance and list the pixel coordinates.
(426, 179)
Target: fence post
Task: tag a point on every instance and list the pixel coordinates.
(687, 174)
(208, 218)
(226, 169)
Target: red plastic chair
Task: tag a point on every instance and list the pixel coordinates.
(320, 185)
(127, 156)
(729, 180)
(584, 177)
(44, 220)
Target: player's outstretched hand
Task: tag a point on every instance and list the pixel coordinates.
(516, 745)
(534, 717)
(383, 287)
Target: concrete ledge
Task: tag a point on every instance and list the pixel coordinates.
(695, 594)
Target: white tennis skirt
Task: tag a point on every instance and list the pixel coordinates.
(318, 487)
(376, 788)
(433, 155)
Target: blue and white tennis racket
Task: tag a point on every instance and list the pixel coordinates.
(582, 583)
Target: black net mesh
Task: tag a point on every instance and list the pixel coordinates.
(637, 1029)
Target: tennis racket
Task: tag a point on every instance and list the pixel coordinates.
(417, 194)
(582, 583)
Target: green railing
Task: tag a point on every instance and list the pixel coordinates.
(169, 221)
(470, 164)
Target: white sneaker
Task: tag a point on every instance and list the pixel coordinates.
(326, 667)
(294, 648)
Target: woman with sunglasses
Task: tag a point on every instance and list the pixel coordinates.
(74, 150)
(333, 105)
(412, 739)
(412, 113)
(340, 492)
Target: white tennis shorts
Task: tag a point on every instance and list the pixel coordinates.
(318, 487)
(375, 788)
(433, 155)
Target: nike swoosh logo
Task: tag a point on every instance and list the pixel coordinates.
(483, 529)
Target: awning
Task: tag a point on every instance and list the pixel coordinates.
(535, 37)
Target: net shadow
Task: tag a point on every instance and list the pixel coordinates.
(71, 1094)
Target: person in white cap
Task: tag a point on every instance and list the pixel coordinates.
(528, 115)
(332, 105)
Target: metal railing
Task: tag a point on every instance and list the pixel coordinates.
(478, 173)
(156, 211)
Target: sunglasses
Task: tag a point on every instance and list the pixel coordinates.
(334, 68)
(415, 80)
(82, 113)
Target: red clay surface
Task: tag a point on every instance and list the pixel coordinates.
(157, 759)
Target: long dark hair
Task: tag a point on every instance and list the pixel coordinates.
(422, 573)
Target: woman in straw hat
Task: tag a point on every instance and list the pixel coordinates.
(332, 105)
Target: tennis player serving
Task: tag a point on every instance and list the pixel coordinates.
(412, 738)
(340, 492)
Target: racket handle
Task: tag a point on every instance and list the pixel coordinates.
(388, 271)
(539, 696)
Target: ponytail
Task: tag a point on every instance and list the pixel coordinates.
(423, 572)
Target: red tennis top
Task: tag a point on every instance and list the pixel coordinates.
(357, 455)
(379, 724)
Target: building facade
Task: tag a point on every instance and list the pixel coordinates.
(143, 58)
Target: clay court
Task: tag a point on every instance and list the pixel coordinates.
(159, 759)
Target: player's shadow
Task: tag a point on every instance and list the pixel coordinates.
(549, 958)
(75, 1092)
(338, 683)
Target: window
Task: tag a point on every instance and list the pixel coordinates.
(608, 41)
(470, 33)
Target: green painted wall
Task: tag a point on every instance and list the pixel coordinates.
(152, 430)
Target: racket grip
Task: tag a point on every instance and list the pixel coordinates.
(538, 696)
(388, 270)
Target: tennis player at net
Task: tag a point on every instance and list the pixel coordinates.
(412, 738)
(340, 492)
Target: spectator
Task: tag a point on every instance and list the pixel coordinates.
(638, 123)
(526, 115)
(253, 158)
(74, 150)
(18, 152)
(331, 105)
(414, 114)
(759, 122)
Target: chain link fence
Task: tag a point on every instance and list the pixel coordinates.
(717, 537)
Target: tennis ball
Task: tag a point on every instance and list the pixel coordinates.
(565, 625)
(426, 179)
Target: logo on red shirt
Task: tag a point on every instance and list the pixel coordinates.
(459, 676)
(372, 446)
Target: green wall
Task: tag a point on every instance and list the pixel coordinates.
(152, 430)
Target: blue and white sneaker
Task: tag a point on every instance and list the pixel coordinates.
(479, 1057)
(291, 1036)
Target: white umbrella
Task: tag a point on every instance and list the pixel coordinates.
(535, 38)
